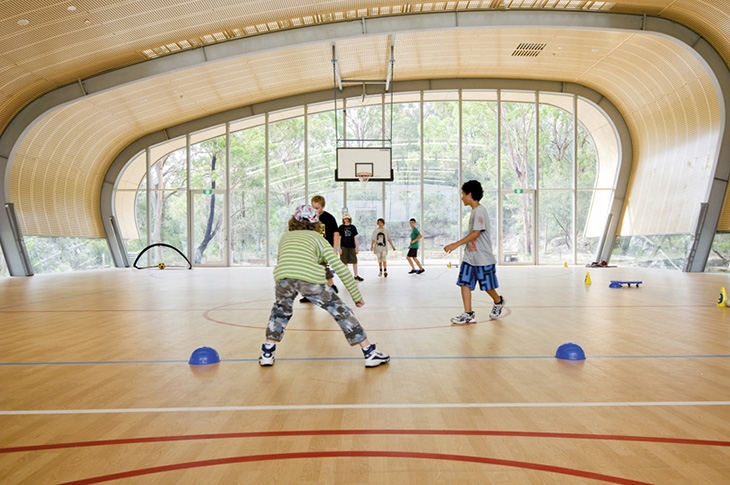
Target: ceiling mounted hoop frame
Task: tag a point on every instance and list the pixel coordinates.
(338, 85)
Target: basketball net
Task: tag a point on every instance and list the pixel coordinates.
(363, 176)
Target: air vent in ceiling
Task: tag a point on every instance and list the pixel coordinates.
(528, 49)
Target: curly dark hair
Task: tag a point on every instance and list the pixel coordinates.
(474, 188)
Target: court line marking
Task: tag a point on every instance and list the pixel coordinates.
(319, 407)
(363, 432)
(357, 454)
(358, 359)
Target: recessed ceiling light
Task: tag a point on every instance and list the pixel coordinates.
(23, 22)
(71, 8)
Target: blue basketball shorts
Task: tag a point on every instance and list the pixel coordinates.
(485, 275)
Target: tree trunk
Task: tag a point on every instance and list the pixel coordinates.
(210, 231)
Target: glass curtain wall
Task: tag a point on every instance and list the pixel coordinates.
(247, 195)
(161, 209)
(556, 179)
(322, 157)
(224, 196)
(403, 195)
(441, 193)
(518, 149)
(63, 254)
(719, 260)
(286, 172)
(3, 267)
(480, 155)
(208, 175)
(364, 127)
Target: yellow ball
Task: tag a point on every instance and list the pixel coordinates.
(161, 265)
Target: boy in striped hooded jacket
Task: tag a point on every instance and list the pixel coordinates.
(299, 270)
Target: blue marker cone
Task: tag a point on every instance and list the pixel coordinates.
(204, 356)
(570, 351)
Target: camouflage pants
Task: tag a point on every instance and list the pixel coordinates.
(321, 295)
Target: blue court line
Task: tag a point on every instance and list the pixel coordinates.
(315, 359)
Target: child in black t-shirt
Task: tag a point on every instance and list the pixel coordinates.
(348, 245)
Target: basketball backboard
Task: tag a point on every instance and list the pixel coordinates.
(351, 161)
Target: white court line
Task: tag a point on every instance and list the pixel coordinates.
(316, 407)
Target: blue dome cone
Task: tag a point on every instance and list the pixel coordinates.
(204, 356)
(570, 351)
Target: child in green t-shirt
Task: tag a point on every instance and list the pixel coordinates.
(413, 249)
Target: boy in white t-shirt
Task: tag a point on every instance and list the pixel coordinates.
(479, 263)
(379, 245)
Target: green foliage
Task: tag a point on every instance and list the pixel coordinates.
(719, 260)
(479, 146)
(663, 251)
(555, 148)
(248, 223)
(62, 254)
(518, 145)
(322, 155)
(364, 125)
(208, 164)
(587, 160)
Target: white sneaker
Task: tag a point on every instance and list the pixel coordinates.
(466, 317)
(267, 355)
(373, 357)
(497, 309)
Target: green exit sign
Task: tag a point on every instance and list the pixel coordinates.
(208, 191)
(518, 191)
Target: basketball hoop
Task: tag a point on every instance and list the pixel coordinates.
(363, 176)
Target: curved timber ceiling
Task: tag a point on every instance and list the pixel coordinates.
(57, 168)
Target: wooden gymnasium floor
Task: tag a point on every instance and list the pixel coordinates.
(96, 385)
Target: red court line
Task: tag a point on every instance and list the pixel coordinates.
(207, 316)
(350, 432)
(358, 454)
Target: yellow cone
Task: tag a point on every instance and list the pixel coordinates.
(588, 279)
(722, 299)
(566, 264)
